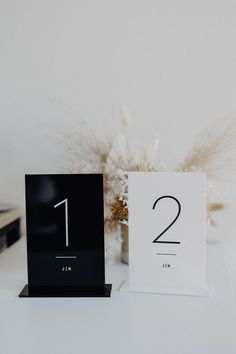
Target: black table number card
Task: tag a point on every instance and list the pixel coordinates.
(65, 236)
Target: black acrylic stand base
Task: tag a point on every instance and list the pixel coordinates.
(88, 291)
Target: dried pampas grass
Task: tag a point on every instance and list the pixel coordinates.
(114, 157)
(214, 152)
(212, 207)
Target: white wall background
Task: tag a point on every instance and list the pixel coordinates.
(173, 62)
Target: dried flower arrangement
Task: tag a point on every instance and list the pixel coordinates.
(214, 152)
(113, 157)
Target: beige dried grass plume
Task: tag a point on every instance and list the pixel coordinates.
(214, 151)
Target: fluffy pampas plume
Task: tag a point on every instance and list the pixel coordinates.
(214, 152)
(114, 156)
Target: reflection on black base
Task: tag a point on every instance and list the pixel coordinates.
(67, 291)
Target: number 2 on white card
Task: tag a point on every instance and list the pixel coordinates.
(156, 240)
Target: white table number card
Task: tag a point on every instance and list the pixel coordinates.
(167, 241)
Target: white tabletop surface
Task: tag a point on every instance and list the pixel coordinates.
(125, 323)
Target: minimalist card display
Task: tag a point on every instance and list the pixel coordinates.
(65, 235)
(167, 220)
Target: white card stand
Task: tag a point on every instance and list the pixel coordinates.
(167, 241)
(191, 324)
(208, 291)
